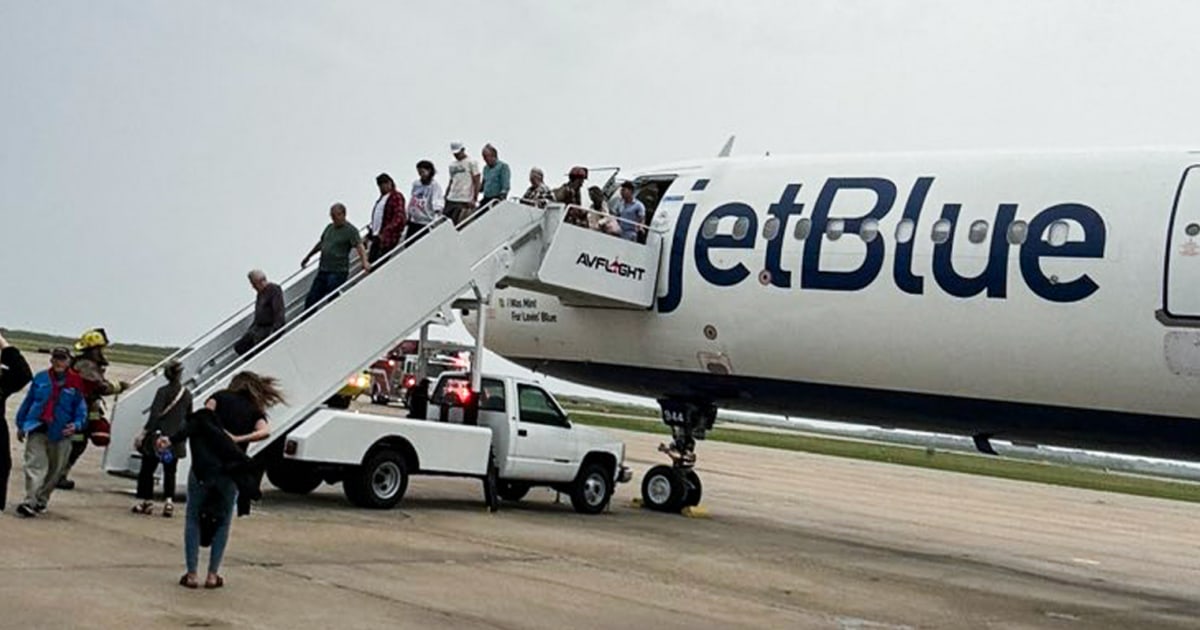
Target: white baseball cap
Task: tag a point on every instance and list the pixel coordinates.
(455, 147)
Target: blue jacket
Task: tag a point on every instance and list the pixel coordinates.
(70, 408)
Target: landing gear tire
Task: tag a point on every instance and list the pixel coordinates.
(380, 483)
(513, 490)
(592, 489)
(663, 490)
(691, 497)
(293, 477)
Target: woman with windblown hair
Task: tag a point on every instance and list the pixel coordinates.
(219, 435)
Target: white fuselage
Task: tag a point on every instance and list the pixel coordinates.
(1092, 311)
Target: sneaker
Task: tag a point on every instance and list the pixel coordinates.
(26, 510)
(41, 507)
(65, 484)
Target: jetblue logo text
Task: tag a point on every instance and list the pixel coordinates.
(882, 193)
(614, 267)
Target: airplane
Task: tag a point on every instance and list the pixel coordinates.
(1040, 297)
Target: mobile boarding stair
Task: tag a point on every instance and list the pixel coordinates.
(506, 243)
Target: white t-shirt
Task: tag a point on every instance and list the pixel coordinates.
(462, 174)
(425, 203)
(377, 215)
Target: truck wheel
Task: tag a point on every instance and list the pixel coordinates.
(338, 402)
(663, 490)
(694, 491)
(592, 489)
(379, 483)
(293, 477)
(513, 490)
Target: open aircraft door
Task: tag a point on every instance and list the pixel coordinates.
(1181, 293)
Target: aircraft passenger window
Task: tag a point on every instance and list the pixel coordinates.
(710, 227)
(741, 227)
(771, 228)
(978, 233)
(868, 230)
(834, 229)
(904, 230)
(1017, 231)
(941, 231)
(803, 227)
(1059, 232)
(537, 408)
(493, 396)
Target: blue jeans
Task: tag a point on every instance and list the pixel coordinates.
(197, 492)
(324, 283)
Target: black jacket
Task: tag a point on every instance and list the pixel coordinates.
(214, 454)
(14, 375)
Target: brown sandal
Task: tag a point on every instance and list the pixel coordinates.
(217, 583)
(188, 583)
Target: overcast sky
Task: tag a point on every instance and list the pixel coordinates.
(152, 152)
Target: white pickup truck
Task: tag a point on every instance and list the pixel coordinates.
(523, 439)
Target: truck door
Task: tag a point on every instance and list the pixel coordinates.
(545, 445)
(1182, 287)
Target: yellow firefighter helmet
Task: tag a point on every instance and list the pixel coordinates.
(93, 338)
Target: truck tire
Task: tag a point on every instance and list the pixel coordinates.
(663, 490)
(592, 490)
(380, 483)
(293, 477)
(513, 490)
(694, 489)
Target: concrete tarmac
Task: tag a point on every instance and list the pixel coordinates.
(792, 541)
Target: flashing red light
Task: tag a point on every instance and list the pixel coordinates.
(464, 397)
(410, 381)
(391, 363)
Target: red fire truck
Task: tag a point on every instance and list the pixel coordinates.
(394, 376)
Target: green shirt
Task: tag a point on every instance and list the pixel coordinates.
(336, 245)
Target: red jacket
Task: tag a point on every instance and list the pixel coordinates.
(394, 220)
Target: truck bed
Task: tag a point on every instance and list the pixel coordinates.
(344, 437)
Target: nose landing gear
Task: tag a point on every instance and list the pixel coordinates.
(677, 486)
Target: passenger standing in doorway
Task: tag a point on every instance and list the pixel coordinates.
(52, 412)
(462, 193)
(337, 241)
(632, 213)
(387, 218)
(538, 192)
(270, 314)
(172, 403)
(497, 178)
(426, 200)
(219, 435)
(15, 374)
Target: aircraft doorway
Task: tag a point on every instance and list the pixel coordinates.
(1181, 297)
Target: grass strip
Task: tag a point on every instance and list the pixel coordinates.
(134, 354)
(990, 466)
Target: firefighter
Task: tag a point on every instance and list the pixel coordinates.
(91, 367)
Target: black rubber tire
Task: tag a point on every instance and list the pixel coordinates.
(513, 490)
(694, 490)
(338, 402)
(380, 483)
(293, 477)
(491, 485)
(653, 496)
(592, 489)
